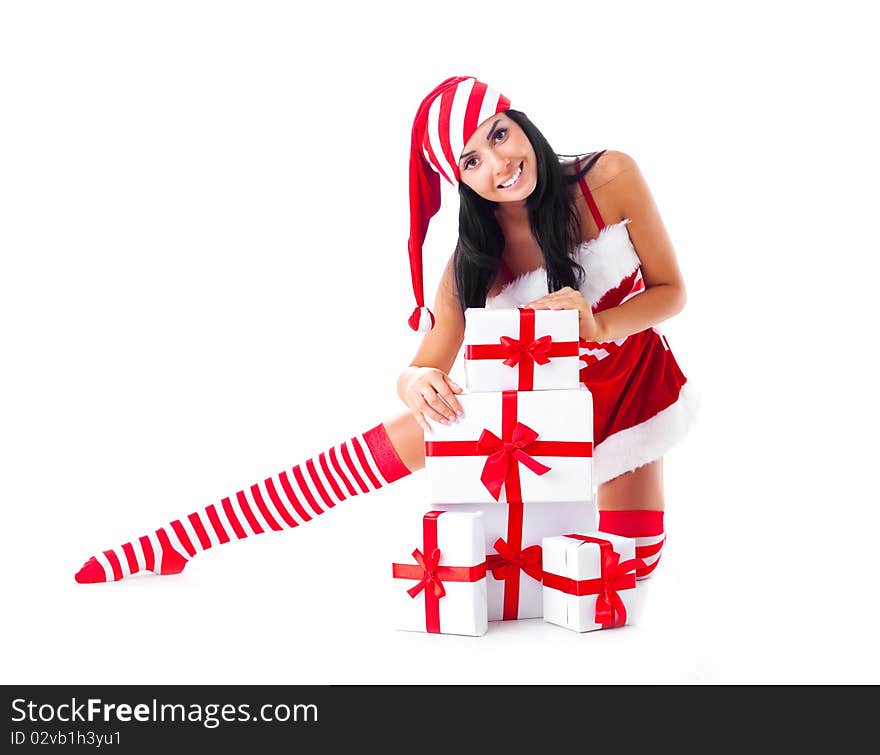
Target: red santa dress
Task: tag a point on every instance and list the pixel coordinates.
(642, 402)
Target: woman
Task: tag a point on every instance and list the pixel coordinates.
(532, 232)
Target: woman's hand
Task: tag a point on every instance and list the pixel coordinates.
(569, 298)
(430, 393)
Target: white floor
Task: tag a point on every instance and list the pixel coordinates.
(310, 606)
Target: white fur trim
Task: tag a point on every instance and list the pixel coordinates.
(521, 290)
(636, 446)
(606, 259)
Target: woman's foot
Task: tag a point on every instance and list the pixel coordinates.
(153, 553)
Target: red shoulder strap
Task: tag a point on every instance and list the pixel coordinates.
(591, 203)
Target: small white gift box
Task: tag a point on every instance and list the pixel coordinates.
(521, 349)
(441, 586)
(589, 580)
(529, 446)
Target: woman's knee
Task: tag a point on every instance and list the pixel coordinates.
(408, 440)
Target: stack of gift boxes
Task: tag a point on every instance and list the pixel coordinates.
(512, 530)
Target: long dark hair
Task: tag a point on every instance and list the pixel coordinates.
(553, 218)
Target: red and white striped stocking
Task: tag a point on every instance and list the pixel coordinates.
(364, 463)
(644, 526)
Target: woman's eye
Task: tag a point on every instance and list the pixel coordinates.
(498, 133)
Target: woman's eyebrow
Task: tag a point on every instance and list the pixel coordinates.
(488, 139)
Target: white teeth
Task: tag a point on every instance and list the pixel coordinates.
(513, 180)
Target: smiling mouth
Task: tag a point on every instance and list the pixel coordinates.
(513, 180)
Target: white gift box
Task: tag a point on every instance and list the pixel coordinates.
(457, 569)
(535, 523)
(588, 585)
(556, 466)
(521, 349)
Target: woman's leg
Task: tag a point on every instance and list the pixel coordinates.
(363, 463)
(632, 505)
(408, 440)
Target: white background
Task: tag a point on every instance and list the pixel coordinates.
(203, 225)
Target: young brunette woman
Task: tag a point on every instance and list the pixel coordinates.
(535, 230)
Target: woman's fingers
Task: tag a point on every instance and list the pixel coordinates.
(446, 402)
(421, 418)
(563, 296)
(439, 405)
(435, 400)
(434, 408)
(421, 421)
(447, 394)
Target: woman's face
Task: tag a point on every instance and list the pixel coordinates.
(498, 161)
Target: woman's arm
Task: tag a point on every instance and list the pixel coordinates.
(664, 294)
(440, 345)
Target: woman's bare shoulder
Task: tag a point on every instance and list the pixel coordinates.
(608, 166)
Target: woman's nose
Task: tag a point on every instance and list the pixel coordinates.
(500, 166)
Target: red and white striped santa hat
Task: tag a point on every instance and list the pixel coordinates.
(445, 120)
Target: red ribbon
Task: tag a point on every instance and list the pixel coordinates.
(431, 575)
(537, 350)
(524, 351)
(516, 445)
(503, 453)
(504, 468)
(509, 561)
(614, 575)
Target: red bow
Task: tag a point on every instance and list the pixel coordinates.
(525, 351)
(508, 562)
(431, 575)
(537, 350)
(610, 610)
(503, 452)
(429, 566)
(616, 575)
